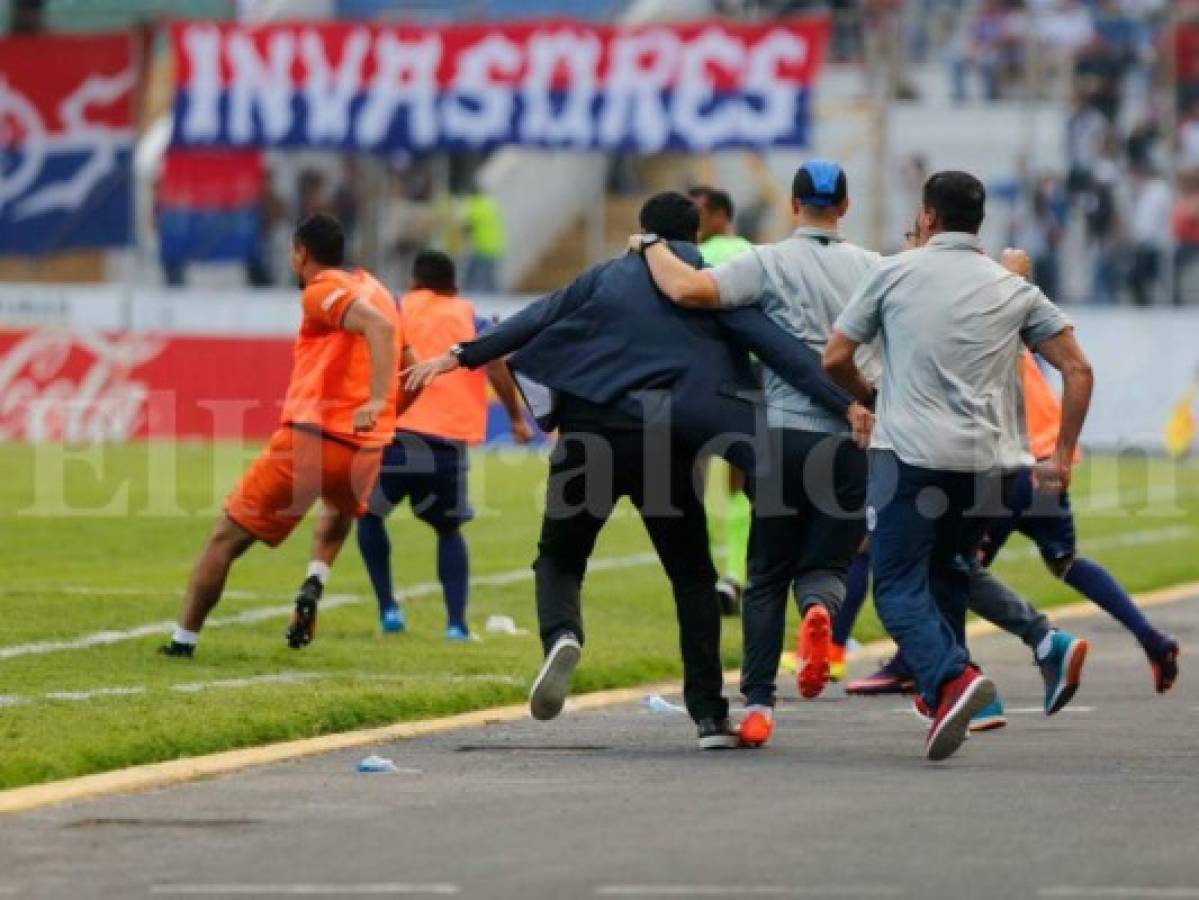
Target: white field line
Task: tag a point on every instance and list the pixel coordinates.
(251, 616)
(391, 889)
(1170, 533)
(194, 687)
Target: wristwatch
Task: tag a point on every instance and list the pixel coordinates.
(648, 239)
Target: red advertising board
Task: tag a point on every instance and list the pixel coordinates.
(81, 387)
(1187, 44)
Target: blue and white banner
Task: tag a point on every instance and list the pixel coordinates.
(563, 85)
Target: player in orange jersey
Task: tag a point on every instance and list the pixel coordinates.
(339, 412)
(427, 462)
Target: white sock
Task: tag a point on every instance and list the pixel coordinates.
(767, 711)
(320, 569)
(1045, 646)
(183, 636)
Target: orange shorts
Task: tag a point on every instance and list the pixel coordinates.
(297, 468)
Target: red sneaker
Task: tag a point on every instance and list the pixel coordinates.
(959, 700)
(756, 728)
(815, 642)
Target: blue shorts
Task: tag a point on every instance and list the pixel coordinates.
(428, 472)
(1046, 520)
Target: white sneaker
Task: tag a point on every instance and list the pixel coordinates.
(552, 684)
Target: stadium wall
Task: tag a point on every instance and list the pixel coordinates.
(84, 363)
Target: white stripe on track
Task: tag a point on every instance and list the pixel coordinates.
(305, 890)
(1140, 893)
(751, 890)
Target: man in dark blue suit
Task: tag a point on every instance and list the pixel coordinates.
(643, 390)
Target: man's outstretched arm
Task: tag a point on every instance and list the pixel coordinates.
(509, 335)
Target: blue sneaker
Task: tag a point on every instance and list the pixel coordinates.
(458, 635)
(988, 718)
(392, 620)
(1062, 670)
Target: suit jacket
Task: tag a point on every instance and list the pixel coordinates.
(611, 336)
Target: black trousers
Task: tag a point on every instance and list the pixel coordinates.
(808, 522)
(589, 471)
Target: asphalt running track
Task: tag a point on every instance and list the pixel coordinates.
(1101, 801)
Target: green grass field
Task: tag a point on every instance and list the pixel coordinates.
(102, 540)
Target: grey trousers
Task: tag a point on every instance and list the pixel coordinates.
(994, 601)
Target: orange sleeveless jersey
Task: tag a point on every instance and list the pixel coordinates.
(1042, 409)
(454, 406)
(331, 367)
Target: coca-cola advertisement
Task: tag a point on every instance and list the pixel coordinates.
(82, 387)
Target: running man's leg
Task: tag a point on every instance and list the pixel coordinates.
(1050, 524)
(226, 542)
(373, 541)
(772, 568)
(266, 505)
(994, 601)
(833, 483)
(678, 532)
(777, 535)
(857, 585)
(902, 543)
(441, 500)
(453, 571)
(580, 493)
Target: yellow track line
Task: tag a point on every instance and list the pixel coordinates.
(179, 771)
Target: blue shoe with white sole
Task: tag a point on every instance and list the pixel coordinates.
(392, 620)
(988, 718)
(1062, 670)
(458, 635)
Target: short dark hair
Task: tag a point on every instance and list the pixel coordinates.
(671, 215)
(959, 200)
(713, 198)
(323, 237)
(435, 270)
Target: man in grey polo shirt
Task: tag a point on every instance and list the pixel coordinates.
(951, 323)
(808, 508)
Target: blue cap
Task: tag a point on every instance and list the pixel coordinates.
(821, 183)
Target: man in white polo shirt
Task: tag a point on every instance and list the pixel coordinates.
(952, 323)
